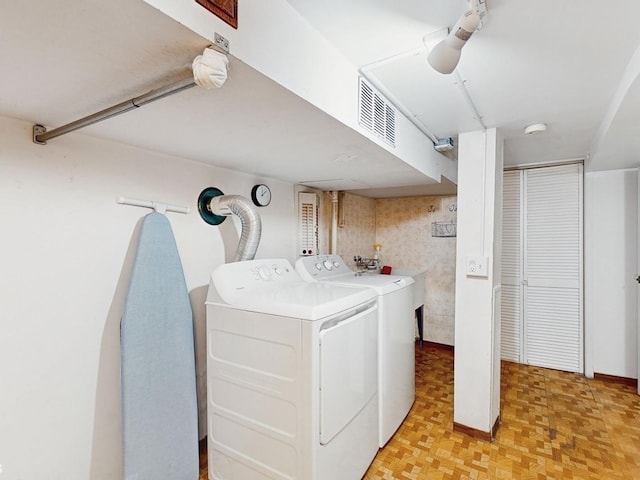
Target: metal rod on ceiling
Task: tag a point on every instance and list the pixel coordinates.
(40, 134)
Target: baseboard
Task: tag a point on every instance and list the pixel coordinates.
(478, 434)
(631, 382)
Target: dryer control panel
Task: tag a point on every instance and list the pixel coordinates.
(318, 267)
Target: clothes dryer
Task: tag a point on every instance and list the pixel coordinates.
(291, 375)
(396, 333)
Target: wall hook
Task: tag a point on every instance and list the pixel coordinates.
(157, 206)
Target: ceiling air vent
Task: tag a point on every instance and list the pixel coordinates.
(376, 114)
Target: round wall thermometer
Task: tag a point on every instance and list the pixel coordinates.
(261, 195)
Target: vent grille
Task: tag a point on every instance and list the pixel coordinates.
(308, 223)
(376, 114)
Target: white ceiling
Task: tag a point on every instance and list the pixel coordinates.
(533, 61)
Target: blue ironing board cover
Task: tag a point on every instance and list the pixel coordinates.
(158, 375)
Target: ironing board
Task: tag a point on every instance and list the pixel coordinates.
(158, 376)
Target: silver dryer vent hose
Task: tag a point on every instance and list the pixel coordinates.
(249, 219)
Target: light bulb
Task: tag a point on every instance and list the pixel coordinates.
(445, 56)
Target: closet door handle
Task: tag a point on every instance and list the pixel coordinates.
(638, 279)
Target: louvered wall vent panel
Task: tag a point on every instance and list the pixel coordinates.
(308, 223)
(376, 114)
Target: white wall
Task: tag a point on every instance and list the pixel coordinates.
(65, 254)
(611, 292)
(477, 313)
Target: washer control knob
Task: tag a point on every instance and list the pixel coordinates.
(336, 264)
(318, 266)
(278, 270)
(328, 265)
(265, 273)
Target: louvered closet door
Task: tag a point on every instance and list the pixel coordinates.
(553, 267)
(511, 323)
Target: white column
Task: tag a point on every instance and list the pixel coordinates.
(478, 270)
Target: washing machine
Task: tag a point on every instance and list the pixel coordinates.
(291, 375)
(396, 333)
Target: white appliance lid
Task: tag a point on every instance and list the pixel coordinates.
(381, 284)
(274, 287)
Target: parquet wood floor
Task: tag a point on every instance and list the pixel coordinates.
(555, 425)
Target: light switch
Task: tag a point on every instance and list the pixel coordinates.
(477, 266)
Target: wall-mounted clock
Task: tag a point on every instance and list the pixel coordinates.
(261, 195)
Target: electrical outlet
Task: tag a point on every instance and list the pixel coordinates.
(221, 42)
(477, 266)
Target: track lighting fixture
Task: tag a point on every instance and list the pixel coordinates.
(445, 55)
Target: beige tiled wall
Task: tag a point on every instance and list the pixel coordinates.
(358, 234)
(403, 226)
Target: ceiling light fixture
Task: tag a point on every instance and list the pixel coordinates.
(445, 55)
(431, 39)
(535, 128)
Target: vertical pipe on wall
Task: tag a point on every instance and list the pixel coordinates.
(333, 245)
(341, 222)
